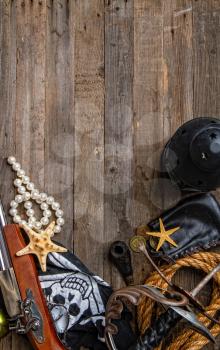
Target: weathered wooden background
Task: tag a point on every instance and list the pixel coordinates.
(90, 90)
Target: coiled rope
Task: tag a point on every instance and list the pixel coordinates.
(189, 339)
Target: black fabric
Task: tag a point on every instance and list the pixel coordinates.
(77, 299)
(199, 219)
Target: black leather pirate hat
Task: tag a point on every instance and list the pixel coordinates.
(192, 156)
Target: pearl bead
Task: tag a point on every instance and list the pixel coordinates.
(11, 160)
(13, 204)
(13, 212)
(57, 229)
(30, 186)
(59, 213)
(44, 206)
(50, 200)
(28, 205)
(17, 219)
(18, 182)
(32, 220)
(55, 205)
(38, 225)
(20, 173)
(35, 194)
(26, 196)
(30, 212)
(60, 221)
(25, 179)
(44, 221)
(21, 189)
(43, 196)
(16, 166)
(23, 222)
(18, 198)
(47, 213)
(26, 192)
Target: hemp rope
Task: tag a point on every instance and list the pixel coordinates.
(189, 339)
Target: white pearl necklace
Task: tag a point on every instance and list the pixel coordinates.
(27, 193)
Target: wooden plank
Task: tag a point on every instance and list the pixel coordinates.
(59, 101)
(89, 133)
(30, 97)
(148, 115)
(206, 39)
(7, 112)
(30, 84)
(8, 76)
(178, 94)
(177, 65)
(7, 95)
(118, 126)
(178, 82)
(26, 39)
(206, 67)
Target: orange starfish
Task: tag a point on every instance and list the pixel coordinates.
(164, 235)
(40, 244)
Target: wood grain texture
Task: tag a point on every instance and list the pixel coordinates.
(90, 91)
(118, 126)
(89, 133)
(59, 109)
(148, 114)
(30, 86)
(7, 118)
(206, 66)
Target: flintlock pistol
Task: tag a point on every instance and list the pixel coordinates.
(21, 291)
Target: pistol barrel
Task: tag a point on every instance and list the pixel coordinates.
(5, 261)
(3, 220)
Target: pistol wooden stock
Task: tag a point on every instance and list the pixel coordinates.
(27, 278)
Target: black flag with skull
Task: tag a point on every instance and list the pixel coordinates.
(76, 299)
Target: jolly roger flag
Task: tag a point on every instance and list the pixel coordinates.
(76, 299)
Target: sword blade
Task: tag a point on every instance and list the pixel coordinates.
(204, 281)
